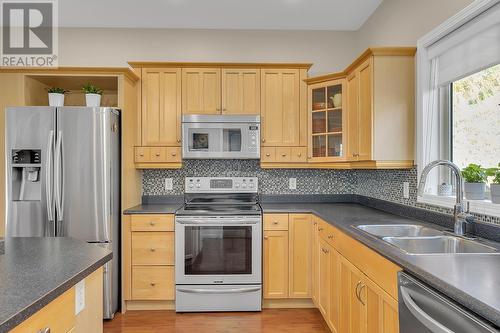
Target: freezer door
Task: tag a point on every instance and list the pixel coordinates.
(29, 134)
(87, 173)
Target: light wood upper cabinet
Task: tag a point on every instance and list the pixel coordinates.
(327, 121)
(201, 91)
(280, 107)
(241, 91)
(300, 248)
(360, 101)
(275, 264)
(161, 107)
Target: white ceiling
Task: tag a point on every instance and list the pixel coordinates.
(218, 14)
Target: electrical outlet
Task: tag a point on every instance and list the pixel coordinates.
(292, 183)
(406, 190)
(79, 297)
(169, 185)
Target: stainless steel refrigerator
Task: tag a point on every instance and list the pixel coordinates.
(63, 179)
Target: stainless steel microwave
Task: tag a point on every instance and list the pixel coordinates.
(221, 137)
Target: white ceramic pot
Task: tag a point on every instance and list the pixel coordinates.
(474, 191)
(495, 193)
(337, 100)
(56, 99)
(93, 99)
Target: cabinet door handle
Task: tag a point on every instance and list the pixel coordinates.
(357, 290)
(266, 237)
(263, 140)
(152, 249)
(320, 229)
(152, 223)
(178, 140)
(267, 154)
(152, 284)
(299, 154)
(315, 223)
(360, 291)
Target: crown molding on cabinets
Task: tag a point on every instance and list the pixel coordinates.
(127, 72)
(372, 51)
(161, 64)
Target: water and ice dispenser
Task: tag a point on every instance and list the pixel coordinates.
(26, 168)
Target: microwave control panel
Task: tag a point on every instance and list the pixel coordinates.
(254, 137)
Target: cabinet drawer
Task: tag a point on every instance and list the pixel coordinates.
(152, 222)
(58, 315)
(153, 282)
(268, 154)
(152, 248)
(174, 154)
(283, 154)
(276, 222)
(142, 154)
(328, 232)
(158, 154)
(298, 154)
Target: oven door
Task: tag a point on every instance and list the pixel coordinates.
(220, 140)
(218, 250)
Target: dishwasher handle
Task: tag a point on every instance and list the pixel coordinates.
(429, 322)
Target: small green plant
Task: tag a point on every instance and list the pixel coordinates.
(56, 90)
(474, 173)
(495, 173)
(91, 89)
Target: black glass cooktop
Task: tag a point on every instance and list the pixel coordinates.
(220, 209)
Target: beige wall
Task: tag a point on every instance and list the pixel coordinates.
(328, 50)
(403, 22)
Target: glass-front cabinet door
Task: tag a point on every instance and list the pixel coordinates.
(327, 121)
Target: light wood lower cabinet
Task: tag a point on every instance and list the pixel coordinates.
(148, 257)
(354, 288)
(59, 315)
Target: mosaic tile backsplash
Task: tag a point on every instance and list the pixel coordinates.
(380, 184)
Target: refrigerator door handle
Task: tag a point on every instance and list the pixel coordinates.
(48, 176)
(59, 183)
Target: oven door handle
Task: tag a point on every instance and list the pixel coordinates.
(219, 291)
(208, 223)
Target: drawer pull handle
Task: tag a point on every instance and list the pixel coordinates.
(315, 223)
(152, 223)
(283, 154)
(320, 229)
(325, 251)
(263, 140)
(299, 154)
(275, 222)
(153, 249)
(178, 140)
(152, 284)
(330, 236)
(173, 154)
(266, 237)
(141, 154)
(157, 154)
(268, 154)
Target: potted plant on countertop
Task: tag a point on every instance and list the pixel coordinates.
(92, 95)
(495, 185)
(56, 96)
(475, 181)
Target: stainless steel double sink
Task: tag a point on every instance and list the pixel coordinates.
(419, 240)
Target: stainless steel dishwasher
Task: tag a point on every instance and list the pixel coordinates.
(423, 310)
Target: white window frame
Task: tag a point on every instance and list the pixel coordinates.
(427, 121)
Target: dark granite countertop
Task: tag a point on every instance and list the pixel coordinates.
(155, 208)
(35, 271)
(472, 280)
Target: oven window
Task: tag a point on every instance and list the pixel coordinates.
(218, 250)
(200, 140)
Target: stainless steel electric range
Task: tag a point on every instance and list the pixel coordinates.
(218, 246)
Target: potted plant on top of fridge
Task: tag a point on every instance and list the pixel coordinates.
(92, 95)
(495, 186)
(475, 181)
(56, 96)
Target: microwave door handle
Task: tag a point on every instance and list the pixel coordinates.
(219, 291)
(432, 324)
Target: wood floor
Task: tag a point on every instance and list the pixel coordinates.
(268, 321)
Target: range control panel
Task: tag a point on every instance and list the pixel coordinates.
(221, 184)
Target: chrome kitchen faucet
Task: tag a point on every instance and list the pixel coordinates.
(460, 214)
